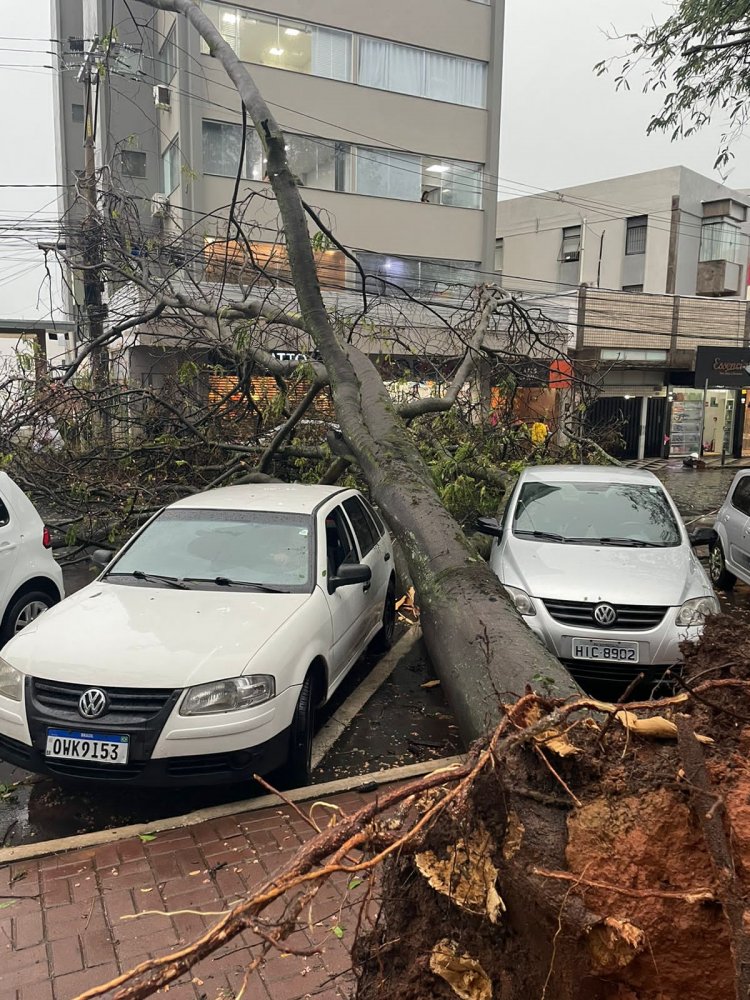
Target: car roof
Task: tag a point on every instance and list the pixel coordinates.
(290, 498)
(587, 474)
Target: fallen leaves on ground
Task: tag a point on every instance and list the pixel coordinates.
(460, 971)
(467, 876)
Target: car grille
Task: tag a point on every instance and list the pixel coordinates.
(95, 772)
(630, 617)
(126, 705)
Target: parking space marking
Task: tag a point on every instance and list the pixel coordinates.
(343, 716)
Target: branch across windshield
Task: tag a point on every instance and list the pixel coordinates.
(615, 514)
(206, 546)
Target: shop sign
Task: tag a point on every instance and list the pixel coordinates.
(722, 367)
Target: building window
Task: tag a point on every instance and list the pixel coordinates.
(387, 275)
(222, 143)
(133, 163)
(170, 168)
(570, 249)
(78, 114)
(632, 288)
(631, 354)
(331, 165)
(635, 236)
(166, 66)
(499, 253)
(723, 240)
(320, 51)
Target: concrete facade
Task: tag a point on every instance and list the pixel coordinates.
(676, 203)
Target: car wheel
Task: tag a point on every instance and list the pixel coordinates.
(717, 567)
(384, 639)
(22, 612)
(298, 769)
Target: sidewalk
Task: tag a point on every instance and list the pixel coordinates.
(61, 926)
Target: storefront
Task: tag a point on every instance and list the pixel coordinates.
(710, 417)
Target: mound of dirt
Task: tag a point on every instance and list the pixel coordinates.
(608, 886)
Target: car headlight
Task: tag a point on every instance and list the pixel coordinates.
(11, 681)
(696, 610)
(524, 604)
(229, 695)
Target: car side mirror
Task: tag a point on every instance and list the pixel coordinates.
(349, 574)
(102, 557)
(489, 526)
(702, 536)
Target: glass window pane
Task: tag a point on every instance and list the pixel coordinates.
(388, 174)
(133, 163)
(362, 527)
(462, 186)
(372, 70)
(258, 39)
(313, 161)
(391, 67)
(227, 23)
(723, 241)
(221, 148)
(331, 54)
(167, 62)
(170, 168)
(456, 80)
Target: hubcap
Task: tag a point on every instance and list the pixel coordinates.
(716, 562)
(28, 613)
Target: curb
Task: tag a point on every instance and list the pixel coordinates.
(25, 852)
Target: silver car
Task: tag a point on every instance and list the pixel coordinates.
(729, 558)
(600, 566)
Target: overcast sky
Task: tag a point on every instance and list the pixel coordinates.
(561, 124)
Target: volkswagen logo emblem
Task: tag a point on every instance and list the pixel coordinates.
(605, 614)
(92, 703)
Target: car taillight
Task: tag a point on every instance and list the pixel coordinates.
(46, 538)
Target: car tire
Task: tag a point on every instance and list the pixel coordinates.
(22, 612)
(717, 568)
(297, 771)
(384, 639)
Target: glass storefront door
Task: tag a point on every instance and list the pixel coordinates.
(716, 417)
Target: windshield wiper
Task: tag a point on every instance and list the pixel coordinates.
(634, 543)
(171, 581)
(224, 581)
(547, 535)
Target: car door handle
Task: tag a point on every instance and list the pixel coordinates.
(366, 588)
(386, 557)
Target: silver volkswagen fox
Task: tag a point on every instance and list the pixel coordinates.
(600, 566)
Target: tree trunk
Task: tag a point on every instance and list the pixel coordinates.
(479, 646)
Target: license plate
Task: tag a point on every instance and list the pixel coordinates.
(104, 748)
(607, 652)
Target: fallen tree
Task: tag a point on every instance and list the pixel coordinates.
(583, 851)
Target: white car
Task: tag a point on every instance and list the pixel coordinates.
(30, 579)
(729, 547)
(202, 651)
(600, 566)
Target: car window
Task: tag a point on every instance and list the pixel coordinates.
(595, 512)
(741, 495)
(251, 547)
(340, 546)
(363, 527)
(374, 517)
(4, 515)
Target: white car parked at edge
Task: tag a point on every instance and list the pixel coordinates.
(729, 545)
(30, 579)
(600, 566)
(202, 651)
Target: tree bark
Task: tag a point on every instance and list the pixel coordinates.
(479, 646)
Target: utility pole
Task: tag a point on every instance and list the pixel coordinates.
(92, 254)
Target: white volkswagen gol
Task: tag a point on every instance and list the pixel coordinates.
(201, 652)
(30, 579)
(729, 558)
(599, 564)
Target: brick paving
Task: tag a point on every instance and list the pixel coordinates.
(61, 917)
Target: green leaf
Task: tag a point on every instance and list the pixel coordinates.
(5, 903)
(354, 883)
(338, 930)
(146, 838)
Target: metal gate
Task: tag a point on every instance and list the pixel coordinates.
(613, 422)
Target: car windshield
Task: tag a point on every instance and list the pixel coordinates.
(616, 514)
(223, 549)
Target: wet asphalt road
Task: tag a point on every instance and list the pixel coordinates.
(400, 724)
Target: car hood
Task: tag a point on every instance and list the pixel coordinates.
(150, 637)
(592, 573)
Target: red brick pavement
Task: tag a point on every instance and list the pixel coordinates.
(61, 917)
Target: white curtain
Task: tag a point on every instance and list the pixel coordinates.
(406, 72)
(456, 80)
(331, 54)
(373, 63)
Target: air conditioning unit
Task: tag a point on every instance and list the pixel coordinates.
(163, 98)
(159, 205)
